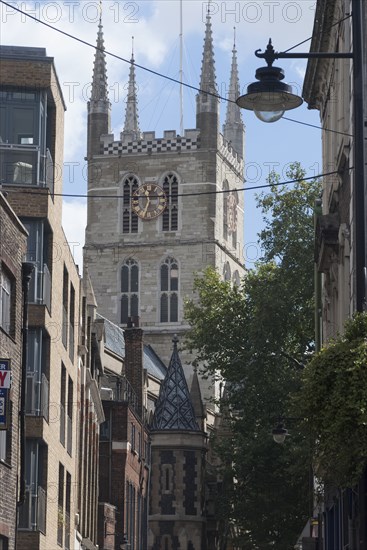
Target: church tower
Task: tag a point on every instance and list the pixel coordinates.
(176, 515)
(161, 209)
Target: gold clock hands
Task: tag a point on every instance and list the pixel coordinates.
(146, 206)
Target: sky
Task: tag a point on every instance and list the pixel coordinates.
(155, 26)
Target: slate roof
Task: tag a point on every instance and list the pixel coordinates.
(115, 342)
(174, 409)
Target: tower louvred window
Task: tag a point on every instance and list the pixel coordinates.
(169, 291)
(170, 215)
(129, 290)
(129, 218)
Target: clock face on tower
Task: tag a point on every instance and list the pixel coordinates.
(149, 201)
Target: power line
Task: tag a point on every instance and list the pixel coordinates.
(161, 75)
(217, 192)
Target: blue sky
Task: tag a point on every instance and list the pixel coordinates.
(155, 27)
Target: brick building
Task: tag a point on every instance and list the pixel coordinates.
(58, 370)
(13, 243)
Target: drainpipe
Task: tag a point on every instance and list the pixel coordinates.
(27, 270)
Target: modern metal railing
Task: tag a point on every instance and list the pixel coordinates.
(37, 395)
(40, 287)
(25, 165)
(32, 514)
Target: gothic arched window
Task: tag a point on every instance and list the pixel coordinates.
(170, 215)
(225, 210)
(232, 216)
(226, 272)
(129, 218)
(129, 290)
(236, 278)
(169, 291)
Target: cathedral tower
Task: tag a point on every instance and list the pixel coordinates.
(142, 251)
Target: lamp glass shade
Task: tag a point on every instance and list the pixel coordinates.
(269, 116)
(279, 438)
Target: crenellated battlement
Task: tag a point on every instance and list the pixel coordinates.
(226, 149)
(150, 144)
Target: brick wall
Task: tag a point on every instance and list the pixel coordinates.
(12, 249)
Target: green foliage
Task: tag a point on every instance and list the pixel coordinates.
(333, 400)
(245, 335)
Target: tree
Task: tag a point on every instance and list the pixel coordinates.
(248, 336)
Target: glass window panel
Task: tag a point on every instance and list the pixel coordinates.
(174, 277)
(23, 123)
(125, 278)
(164, 277)
(124, 309)
(164, 308)
(134, 305)
(174, 308)
(134, 284)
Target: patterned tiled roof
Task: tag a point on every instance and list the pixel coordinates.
(115, 342)
(174, 409)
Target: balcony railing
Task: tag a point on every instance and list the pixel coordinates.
(40, 287)
(37, 395)
(24, 165)
(32, 514)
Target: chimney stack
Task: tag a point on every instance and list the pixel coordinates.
(134, 359)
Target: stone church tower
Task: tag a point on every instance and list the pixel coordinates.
(142, 251)
(178, 443)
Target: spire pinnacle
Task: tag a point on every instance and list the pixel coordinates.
(131, 131)
(174, 408)
(233, 128)
(99, 81)
(208, 78)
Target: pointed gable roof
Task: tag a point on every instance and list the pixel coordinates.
(174, 409)
(234, 114)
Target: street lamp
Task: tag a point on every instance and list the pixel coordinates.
(269, 98)
(279, 433)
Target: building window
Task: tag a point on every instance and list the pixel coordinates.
(5, 301)
(232, 202)
(69, 416)
(129, 290)
(60, 508)
(236, 279)
(133, 437)
(129, 218)
(226, 272)
(170, 215)
(62, 404)
(225, 210)
(39, 243)
(65, 304)
(169, 291)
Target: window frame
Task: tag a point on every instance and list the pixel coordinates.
(7, 288)
(128, 216)
(170, 217)
(132, 294)
(169, 294)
